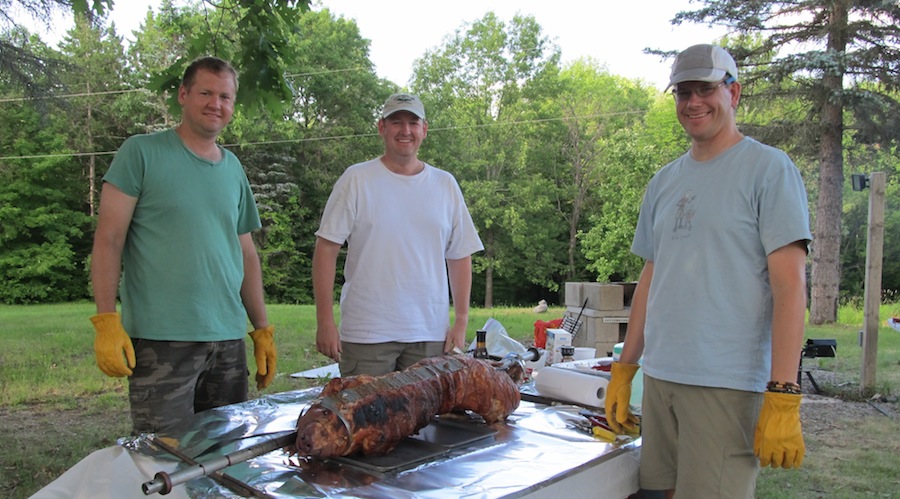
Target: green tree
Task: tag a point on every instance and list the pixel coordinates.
(294, 157)
(35, 73)
(478, 90)
(634, 154)
(96, 73)
(865, 159)
(596, 107)
(255, 35)
(844, 57)
(44, 225)
(259, 45)
(160, 43)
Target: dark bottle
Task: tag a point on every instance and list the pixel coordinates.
(480, 344)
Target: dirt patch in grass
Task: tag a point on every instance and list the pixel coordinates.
(38, 442)
(837, 402)
(850, 442)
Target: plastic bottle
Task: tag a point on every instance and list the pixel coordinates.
(480, 344)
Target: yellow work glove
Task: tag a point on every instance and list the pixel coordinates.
(264, 351)
(779, 439)
(112, 346)
(618, 398)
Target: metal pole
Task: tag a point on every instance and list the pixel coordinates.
(874, 262)
(164, 482)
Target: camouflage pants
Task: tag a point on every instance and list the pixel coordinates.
(173, 380)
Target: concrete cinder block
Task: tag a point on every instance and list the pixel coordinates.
(573, 294)
(602, 296)
(607, 331)
(609, 315)
(597, 326)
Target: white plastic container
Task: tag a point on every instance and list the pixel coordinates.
(584, 353)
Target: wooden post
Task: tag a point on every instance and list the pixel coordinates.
(874, 262)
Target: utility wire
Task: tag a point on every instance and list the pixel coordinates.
(337, 137)
(67, 96)
(112, 92)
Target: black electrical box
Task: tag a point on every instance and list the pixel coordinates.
(820, 348)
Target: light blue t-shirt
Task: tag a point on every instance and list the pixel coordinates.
(182, 261)
(708, 228)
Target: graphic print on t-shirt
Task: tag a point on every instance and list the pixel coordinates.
(684, 214)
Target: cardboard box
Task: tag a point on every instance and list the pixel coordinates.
(556, 338)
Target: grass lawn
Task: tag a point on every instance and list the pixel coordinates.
(56, 407)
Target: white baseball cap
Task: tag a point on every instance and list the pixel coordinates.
(703, 62)
(403, 102)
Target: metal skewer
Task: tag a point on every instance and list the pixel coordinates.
(164, 482)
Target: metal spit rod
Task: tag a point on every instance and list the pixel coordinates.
(164, 482)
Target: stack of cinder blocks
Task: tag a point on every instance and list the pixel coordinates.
(605, 315)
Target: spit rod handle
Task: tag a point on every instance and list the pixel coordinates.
(161, 483)
(164, 482)
(532, 355)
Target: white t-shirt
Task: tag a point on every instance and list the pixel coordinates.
(399, 230)
(708, 228)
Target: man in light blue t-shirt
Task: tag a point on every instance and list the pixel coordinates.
(718, 312)
(173, 241)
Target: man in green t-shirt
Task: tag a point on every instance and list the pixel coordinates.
(173, 242)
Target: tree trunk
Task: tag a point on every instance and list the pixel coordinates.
(826, 262)
(489, 271)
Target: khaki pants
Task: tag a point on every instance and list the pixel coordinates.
(698, 440)
(381, 358)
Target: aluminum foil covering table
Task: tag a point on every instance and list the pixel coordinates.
(536, 453)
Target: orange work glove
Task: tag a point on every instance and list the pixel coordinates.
(618, 398)
(779, 439)
(266, 357)
(112, 346)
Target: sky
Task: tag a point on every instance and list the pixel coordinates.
(613, 33)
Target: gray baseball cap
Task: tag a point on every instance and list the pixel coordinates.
(403, 102)
(702, 62)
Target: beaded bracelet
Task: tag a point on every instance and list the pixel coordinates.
(783, 387)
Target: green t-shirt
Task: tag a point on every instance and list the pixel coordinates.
(182, 262)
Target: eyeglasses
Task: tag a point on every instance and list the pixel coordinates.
(684, 94)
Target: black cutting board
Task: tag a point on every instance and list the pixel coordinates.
(433, 441)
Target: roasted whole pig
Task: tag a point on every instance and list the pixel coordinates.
(371, 415)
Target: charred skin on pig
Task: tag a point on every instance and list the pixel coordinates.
(371, 415)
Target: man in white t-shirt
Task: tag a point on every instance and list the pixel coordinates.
(409, 239)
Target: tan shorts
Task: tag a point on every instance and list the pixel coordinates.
(382, 358)
(698, 440)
